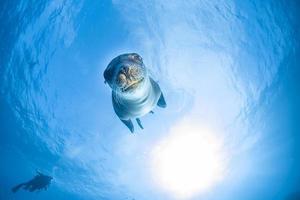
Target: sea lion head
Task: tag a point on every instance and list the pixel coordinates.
(126, 73)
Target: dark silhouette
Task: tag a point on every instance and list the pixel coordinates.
(39, 182)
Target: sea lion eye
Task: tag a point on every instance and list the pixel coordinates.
(136, 57)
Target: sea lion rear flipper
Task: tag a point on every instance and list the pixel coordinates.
(129, 124)
(161, 101)
(139, 123)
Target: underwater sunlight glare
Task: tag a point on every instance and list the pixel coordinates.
(189, 160)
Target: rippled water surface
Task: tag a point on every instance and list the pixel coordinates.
(229, 66)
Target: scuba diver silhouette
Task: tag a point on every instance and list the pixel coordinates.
(39, 182)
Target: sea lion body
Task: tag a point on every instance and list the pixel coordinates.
(134, 92)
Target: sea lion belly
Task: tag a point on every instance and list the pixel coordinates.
(140, 105)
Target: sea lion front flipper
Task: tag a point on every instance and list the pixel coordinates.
(139, 123)
(161, 101)
(129, 124)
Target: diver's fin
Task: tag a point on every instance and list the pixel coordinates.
(129, 124)
(139, 123)
(161, 101)
(38, 172)
(17, 187)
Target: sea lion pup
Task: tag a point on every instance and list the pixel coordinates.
(134, 92)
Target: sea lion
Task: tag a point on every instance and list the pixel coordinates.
(134, 92)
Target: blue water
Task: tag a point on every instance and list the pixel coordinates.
(232, 65)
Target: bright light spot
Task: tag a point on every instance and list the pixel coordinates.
(189, 160)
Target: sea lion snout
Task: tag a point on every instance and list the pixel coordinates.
(129, 77)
